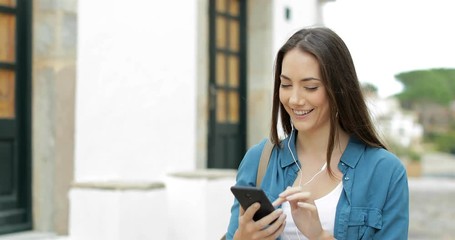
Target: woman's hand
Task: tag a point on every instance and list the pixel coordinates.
(261, 229)
(304, 212)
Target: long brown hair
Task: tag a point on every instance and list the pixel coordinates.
(346, 101)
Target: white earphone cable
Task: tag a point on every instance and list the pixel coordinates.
(298, 166)
(301, 174)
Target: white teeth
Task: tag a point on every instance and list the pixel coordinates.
(301, 112)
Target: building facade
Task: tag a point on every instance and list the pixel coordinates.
(132, 116)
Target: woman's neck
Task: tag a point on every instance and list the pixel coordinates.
(314, 144)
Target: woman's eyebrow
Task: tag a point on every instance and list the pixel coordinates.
(303, 79)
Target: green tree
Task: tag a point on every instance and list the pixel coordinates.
(433, 85)
(425, 90)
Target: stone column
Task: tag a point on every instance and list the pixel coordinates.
(54, 63)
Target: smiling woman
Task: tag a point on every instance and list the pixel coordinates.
(331, 177)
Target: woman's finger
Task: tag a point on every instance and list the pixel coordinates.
(271, 230)
(279, 201)
(282, 197)
(307, 206)
(267, 220)
(299, 196)
(251, 210)
(280, 230)
(289, 191)
(241, 211)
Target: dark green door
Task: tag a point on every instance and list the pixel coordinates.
(227, 84)
(15, 197)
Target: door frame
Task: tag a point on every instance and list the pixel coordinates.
(24, 101)
(23, 110)
(211, 161)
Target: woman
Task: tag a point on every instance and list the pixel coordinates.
(331, 177)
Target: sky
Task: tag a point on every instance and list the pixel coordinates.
(386, 37)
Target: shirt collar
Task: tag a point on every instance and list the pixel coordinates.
(286, 158)
(353, 152)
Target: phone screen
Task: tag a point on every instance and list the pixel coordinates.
(249, 195)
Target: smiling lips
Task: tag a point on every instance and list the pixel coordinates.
(302, 112)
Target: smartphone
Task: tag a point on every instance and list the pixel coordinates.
(249, 195)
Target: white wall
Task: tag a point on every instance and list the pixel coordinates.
(135, 114)
(136, 78)
(302, 14)
(394, 123)
(118, 215)
(199, 204)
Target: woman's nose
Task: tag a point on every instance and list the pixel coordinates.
(296, 97)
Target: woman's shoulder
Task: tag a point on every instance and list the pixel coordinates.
(253, 154)
(381, 154)
(383, 158)
(359, 149)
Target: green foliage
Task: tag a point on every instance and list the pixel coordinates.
(414, 156)
(433, 85)
(444, 142)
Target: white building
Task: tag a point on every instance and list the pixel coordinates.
(394, 123)
(133, 107)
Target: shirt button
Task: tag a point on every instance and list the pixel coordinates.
(342, 164)
(346, 178)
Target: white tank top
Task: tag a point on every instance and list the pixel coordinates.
(326, 210)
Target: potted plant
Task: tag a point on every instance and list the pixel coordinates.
(414, 164)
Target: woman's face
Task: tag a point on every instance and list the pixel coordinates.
(302, 92)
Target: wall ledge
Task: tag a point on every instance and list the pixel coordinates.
(32, 235)
(431, 184)
(119, 185)
(210, 174)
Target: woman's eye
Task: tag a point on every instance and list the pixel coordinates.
(311, 88)
(284, 85)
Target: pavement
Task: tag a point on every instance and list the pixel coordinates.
(432, 213)
(438, 165)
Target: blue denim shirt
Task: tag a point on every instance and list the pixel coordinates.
(374, 203)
